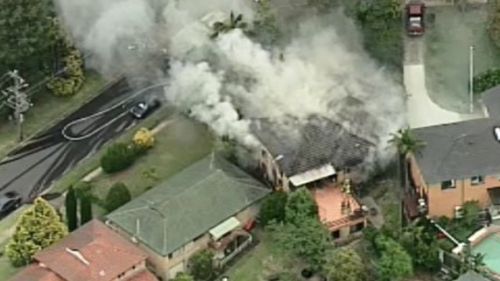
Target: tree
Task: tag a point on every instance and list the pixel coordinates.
(82, 188)
(25, 46)
(117, 196)
(118, 157)
(143, 139)
(201, 266)
(182, 276)
(273, 208)
(307, 239)
(72, 80)
(71, 205)
(38, 227)
(381, 27)
(406, 143)
(300, 204)
(233, 22)
(471, 214)
(395, 263)
(85, 209)
(345, 265)
(494, 25)
(422, 246)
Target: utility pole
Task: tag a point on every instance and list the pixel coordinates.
(17, 100)
(471, 78)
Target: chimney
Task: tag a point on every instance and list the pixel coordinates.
(75, 253)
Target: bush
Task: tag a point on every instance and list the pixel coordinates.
(381, 27)
(201, 266)
(117, 196)
(73, 79)
(143, 139)
(273, 208)
(486, 80)
(494, 26)
(71, 209)
(118, 157)
(85, 210)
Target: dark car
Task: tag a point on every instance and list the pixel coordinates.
(415, 24)
(143, 108)
(9, 202)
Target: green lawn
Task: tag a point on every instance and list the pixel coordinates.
(260, 262)
(6, 269)
(47, 110)
(178, 145)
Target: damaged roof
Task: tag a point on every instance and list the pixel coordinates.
(310, 144)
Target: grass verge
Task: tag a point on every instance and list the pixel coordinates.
(261, 261)
(48, 110)
(177, 145)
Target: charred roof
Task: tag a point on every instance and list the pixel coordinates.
(311, 143)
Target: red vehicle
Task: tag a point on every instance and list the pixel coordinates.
(415, 12)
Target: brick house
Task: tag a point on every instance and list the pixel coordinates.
(321, 155)
(460, 162)
(209, 205)
(91, 253)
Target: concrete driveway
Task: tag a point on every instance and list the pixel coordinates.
(421, 109)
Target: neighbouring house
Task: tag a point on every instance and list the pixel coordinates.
(209, 205)
(322, 155)
(459, 162)
(91, 253)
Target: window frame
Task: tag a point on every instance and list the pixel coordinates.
(453, 185)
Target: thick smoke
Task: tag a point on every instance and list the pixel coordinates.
(321, 71)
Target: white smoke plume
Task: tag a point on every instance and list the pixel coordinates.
(322, 71)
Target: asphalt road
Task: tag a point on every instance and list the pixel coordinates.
(32, 168)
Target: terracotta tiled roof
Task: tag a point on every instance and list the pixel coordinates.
(92, 253)
(35, 272)
(144, 276)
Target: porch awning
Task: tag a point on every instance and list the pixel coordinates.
(312, 175)
(225, 227)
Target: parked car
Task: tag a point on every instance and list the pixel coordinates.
(415, 20)
(144, 108)
(9, 202)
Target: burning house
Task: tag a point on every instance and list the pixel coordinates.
(322, 155)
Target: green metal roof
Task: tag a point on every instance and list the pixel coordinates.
(188, 204)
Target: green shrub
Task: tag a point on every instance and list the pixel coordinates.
(117, 196)
(201, 266)
(486, 80)
(118, 157)
(71, 209)
(273, 208)
(72, 81)
(85, 210)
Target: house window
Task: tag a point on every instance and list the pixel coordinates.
(477, 180)
(449, 184)
(336, 234)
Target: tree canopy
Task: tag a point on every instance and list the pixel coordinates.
(300, 204)
(39, 227)
(406, 142)
(344, 265)
(201, 266)
(394, 263)
(117, 196)
(273, 208)
(183, 277)
(29, 35)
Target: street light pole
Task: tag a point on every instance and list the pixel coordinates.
(471, 78)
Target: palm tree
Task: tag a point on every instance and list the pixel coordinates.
(406, 144)
(234, 22)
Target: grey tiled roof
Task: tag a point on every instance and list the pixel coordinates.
(458, 150)
(491, 99)
(311, 144)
